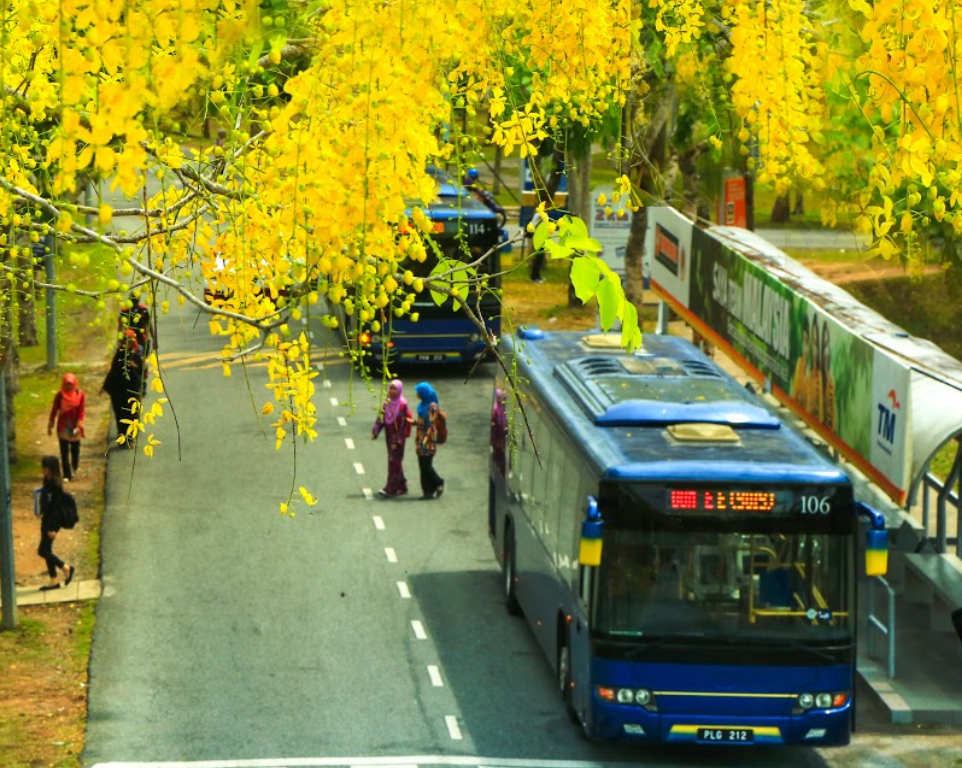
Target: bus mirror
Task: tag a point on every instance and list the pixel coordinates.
(876, 541)
(589, 553)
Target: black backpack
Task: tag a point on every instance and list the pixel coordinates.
(68, 511)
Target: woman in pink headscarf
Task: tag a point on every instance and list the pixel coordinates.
(395, 420)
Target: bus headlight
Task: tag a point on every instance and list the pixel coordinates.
(806, 700)
(823, 700)
(642, 697)
(625, 696)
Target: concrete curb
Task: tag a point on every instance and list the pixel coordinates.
(75, 592)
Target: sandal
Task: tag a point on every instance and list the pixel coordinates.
(48, 587)
(70, 576)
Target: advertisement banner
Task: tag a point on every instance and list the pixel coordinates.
(609, 229)
(667, 245)
(851, 392)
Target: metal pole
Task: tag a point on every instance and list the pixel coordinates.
(662, 326)
(8, 571)
(48, 263)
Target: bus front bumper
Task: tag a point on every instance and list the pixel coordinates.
(826, 728)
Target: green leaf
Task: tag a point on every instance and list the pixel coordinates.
(584, 278)
(540, 235)
(576, 227)
(630, 332)
(611, 299)
(439, 298)
(557, 251)
(587, 244)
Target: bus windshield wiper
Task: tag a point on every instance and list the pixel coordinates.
(639, 647)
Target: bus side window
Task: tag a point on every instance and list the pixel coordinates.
(554, 498)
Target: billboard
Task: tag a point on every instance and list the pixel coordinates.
(765, 312)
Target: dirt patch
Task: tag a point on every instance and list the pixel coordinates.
(43, 688)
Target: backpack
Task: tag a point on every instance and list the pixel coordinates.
(68, 511)
(440, 427)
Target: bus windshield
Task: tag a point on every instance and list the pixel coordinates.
(740, 585)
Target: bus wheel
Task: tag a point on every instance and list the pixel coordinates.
(510, 575)
(564, 681)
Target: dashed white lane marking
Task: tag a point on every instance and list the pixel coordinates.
(334, 401)
(341, 421)
(391, 554)
(435, 674)
(349, 443)
(454, 730)
(402, 587)
(359, 467)
(327, 384)
(378, 522)
(368, 493)
(418, 628)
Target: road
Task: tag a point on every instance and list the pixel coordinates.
(359, 632)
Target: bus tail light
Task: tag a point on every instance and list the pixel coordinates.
(364, 337)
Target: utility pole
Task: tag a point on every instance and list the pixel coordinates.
(8, 571)
(48, 263)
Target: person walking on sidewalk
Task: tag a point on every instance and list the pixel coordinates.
(51, 521)
(432, 484)
(125, 381)
(395, 421)
(68, 415)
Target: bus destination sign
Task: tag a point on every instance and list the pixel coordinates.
(709, 500)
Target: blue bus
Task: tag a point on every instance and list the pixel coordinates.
(464, 229)
(686, 561)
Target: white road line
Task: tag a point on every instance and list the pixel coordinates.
(391, 554)
(327, 384)
(379, 522)
(418, 628)
(334, 401)
(368, 493)
(374, 762)
(435, 674)
(402, 587)
(341, 421)
(349, 443)
(453, 729)
(359, 467)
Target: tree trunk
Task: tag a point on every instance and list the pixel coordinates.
(781, 210)
(799, 209)
(498, 157)
(579, 202)
(27, 325)
(634, 258)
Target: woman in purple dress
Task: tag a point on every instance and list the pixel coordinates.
(396, 421)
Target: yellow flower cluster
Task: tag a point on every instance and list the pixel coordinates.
(777, 91)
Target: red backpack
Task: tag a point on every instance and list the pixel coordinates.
(440, 423)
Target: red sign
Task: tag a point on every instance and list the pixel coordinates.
(732, 204)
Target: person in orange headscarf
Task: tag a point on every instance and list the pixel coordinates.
(68, 414)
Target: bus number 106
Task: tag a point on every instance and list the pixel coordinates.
(815, 505)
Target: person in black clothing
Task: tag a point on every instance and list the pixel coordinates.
(472, 184)
(51, 521)
(125, 381)
(136, 316)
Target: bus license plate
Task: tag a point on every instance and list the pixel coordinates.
(726, 735)
(429, 358)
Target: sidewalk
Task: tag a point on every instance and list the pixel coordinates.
(78, 590)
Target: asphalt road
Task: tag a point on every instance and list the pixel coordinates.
(359, 632)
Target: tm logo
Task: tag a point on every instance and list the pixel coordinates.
(887, 417)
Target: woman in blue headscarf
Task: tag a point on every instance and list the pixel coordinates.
(432, 484)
